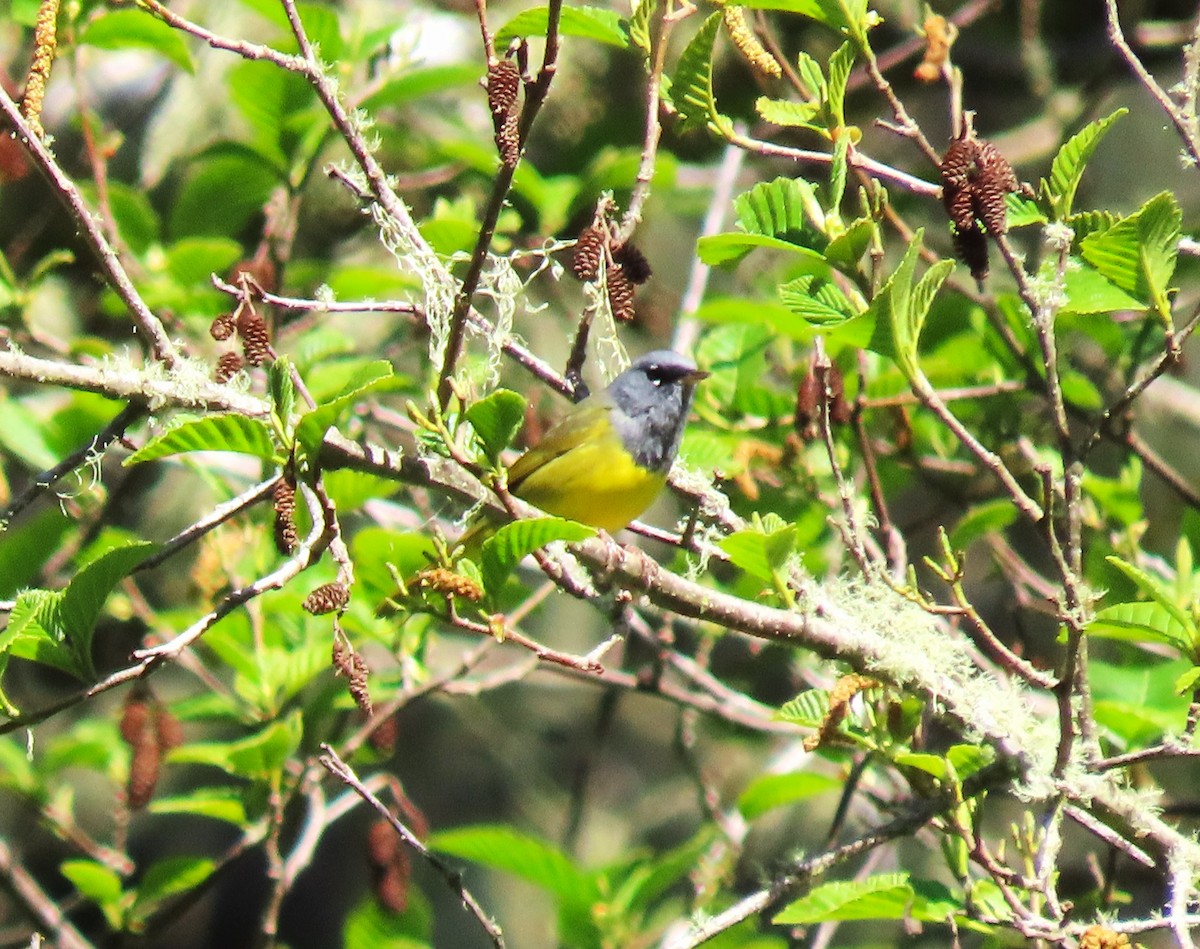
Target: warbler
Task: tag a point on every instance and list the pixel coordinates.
(607, 460)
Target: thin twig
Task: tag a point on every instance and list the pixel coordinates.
(343, 772)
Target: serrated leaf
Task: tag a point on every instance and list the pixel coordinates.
(691, 83)
(1139, 252)
(886, 896)
(281, 388)
(770, 791)
(808, 709)
(133, 29)
(1141, 623)
(789, 114)
(258, 756)
(1087, 291)
(592, 23)
(529, 858)
(847, 248)
(513, 542)
(718, 249)
(840, 65)
(777, 209)
(310, 431)
(1187, 682)
(816, 300)
(230, 432)
(1021, 211)
(496, 419)
(1158, 592)
(1091, 222)
(1068, 166)
(639, 24)
(903, 305)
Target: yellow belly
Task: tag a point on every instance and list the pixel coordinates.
(596, 483)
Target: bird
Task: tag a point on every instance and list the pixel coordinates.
(607, 459)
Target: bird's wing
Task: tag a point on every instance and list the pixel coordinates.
(586, 422)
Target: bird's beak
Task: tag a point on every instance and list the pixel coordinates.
(695, 376)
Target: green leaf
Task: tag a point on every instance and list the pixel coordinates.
(1089, 292)
(849, 17)
(370, 926)
(840, 65)
(169, 877)
(281, 388)
(717, 249)
(219, 803)
(1158, 592)
(934, 765)
(760, 554)
(1021, 211)
(816, 300)
(310, 432)
(55, 627)
(98, 884)
(886, 896)
(418, 83)
(1139, 252)
(1067, 168)
(259, 756)
(1186, 683)
(496, 419)
(640, 24)
(513, 542)
(591, 23)
(982, 520)
(132, 29)
(808, 709)
(1141, 623)
(969, 759)
(903, 305)
(770, 791)
(529, 858)
(691, 83)
(230, 432)
(778, 209)
(224, 192)
(789, 114)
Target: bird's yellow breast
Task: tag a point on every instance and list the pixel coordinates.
(596, 482)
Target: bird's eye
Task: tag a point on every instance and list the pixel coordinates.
(655, 375)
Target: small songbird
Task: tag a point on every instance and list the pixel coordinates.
(607, 460)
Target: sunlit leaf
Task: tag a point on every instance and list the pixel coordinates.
(230, 432)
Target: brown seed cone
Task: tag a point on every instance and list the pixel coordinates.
(589, 249)
(222, 327)
(228, 366)
(839, 409)
(808, 399)
(970, 244)
(382, 843)
(167, 730)
(995, 169)
(503, 83)
(383, 737)
(256, 341)
(508, 139)
(350, 665)
(391, 889)
(287, 538)
(633, 262)
(327, 598)
(135, 717)
(996, 179)
(958, 164)
(960, 206)
(620, 294)
(144, 768)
